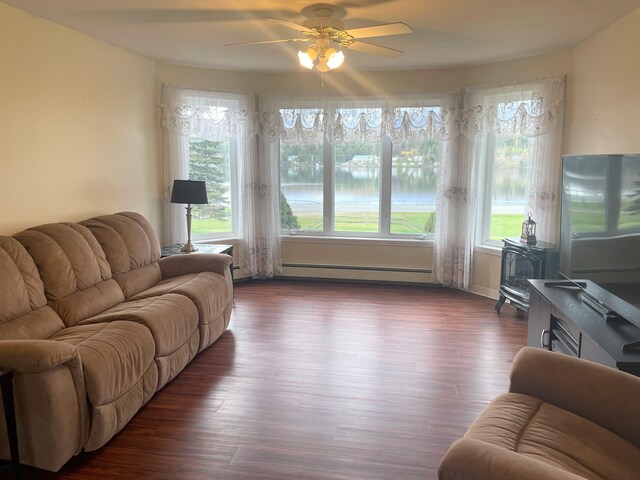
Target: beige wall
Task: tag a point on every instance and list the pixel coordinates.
(78, 128)
(605, 113)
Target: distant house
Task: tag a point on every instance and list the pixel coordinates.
(363, 161)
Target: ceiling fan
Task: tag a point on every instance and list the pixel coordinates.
(323, 30)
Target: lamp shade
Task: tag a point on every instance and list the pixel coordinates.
(189, 191)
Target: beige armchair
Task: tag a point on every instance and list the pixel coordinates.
(563, 418)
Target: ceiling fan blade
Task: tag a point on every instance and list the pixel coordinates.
(268, 41)
(289, 24)
(380, 30)
(375, 50)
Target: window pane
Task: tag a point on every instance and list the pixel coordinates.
(508, 202)
(301, 187)
(413, 187)
(209, 161)
(357, 187)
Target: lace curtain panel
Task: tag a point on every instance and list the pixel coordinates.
(531, 110)
(220, 117)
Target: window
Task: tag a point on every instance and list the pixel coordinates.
(203, 144)
(507, 148)
(354, 187)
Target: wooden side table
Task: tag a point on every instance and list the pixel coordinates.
(6, 384)
(202, 248)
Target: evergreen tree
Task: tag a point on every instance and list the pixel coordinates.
(207, 162)
(287, 219)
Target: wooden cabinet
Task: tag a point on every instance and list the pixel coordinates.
(560, 321)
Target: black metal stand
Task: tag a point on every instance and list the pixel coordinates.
(521, 262)
(499, 303)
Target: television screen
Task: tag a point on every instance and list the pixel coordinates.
(600, 222)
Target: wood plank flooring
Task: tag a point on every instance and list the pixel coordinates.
(321, 381)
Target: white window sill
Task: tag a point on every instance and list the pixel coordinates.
(488, 250)
(215, 240)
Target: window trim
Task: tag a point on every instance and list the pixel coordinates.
(486, 167)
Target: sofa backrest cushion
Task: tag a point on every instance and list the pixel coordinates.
(131, 247)
(24, 313)
(73, 268)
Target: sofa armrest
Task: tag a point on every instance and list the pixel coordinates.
(30, 356)
(177, 265)
(476, 460)
(593, 391)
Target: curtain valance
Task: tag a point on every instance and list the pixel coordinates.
(527, 109)
(211, 115)
(311, 120)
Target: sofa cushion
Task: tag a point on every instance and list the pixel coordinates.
(119, 371)
(131, 247)
(114, 356)
(210, 294)
(173, 322)
(73, 268)
(24, 313)
(557, 437)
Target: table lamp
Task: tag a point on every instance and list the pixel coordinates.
(189, 191)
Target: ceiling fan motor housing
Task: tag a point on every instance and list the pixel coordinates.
(322, 18)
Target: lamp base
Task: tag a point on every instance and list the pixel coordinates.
(188, 248)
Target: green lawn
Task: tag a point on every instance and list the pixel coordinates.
(210, 225)
(502, 225)
(505, 225)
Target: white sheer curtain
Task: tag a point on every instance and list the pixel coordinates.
(221, 116)
(531, 110)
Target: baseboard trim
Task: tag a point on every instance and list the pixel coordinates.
(357, 267)
(485, 292)
(356, 281)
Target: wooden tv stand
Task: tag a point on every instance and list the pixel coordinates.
(561, 321)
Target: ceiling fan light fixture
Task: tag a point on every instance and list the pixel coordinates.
(306, 58)
(335, 60)
(322, 65)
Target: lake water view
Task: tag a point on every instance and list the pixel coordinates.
(357, 194)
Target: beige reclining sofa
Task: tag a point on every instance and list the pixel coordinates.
(93, 322)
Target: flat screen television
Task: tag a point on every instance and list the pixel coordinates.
(600, 222)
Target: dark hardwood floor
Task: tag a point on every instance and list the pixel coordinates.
(321, 381)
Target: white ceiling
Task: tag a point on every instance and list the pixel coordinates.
(446, 32)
